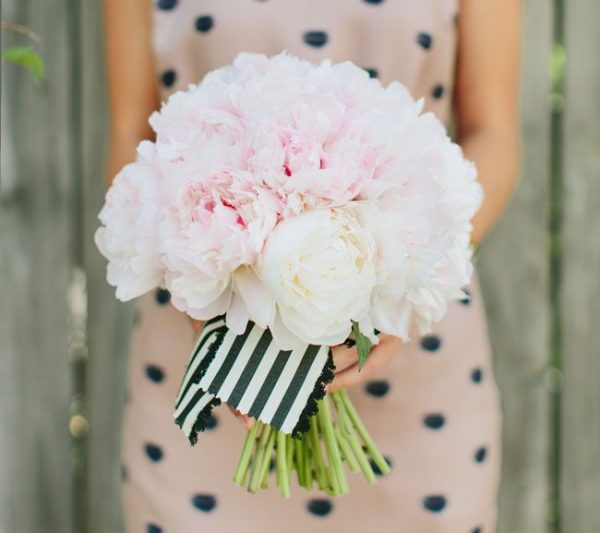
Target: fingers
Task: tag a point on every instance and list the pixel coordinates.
(343, 357)
(379, 356)
(197, 325)
(245, 420)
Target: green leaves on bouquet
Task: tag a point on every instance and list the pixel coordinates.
(363, 345)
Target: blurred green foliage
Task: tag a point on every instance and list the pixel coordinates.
(26, 57)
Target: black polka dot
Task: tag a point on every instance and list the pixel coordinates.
(477, 530)
(425, 40)
(477, 375)
(431, 343)
(168, 78)
(204, 23)
(374, 2)
(163, 296)
(438, 91)
(315, 38)
(376, 469)
(435, 503)
(211, 422)
(204, 502)
(372, 72)
(377, 388)
(155, 373)
(153, 528)
(153, 452)
(434, 421)
(166, 5)
(467, 299)
(319, 506)
(480, 454)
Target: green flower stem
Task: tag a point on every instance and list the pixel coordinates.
(320, 473)
(347, 453)
(340, 483)
(299, 455)
(266, 458)
(281, 465)
(242, 467)
(256, 477)
(307, 463)
(374, 452)
(352, 439)
(290, 456)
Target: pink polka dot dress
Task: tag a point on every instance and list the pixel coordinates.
(433, 409)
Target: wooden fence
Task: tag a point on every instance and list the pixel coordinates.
(63, 336)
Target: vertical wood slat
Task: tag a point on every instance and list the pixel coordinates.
(580, 285)
(513, 268)
(35, 262)
(109, 321)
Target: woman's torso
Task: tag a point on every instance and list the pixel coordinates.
(411, 41)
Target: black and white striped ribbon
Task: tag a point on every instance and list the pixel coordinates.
(251, 374)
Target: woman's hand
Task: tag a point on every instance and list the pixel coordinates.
(346, 362)
(196, 324)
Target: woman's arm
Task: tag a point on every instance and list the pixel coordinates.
(486, 97)
(132, 88)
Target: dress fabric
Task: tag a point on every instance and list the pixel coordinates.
(433, 410)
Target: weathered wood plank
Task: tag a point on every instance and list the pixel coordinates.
(580, 286)
(35, 261)
(513, 267)
(108, 320)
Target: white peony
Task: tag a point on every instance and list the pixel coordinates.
(320, 268)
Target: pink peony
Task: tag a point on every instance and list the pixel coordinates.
(272, 147)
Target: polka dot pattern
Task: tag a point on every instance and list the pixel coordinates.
(316, 39)
(425, 40)
(434, 421)
(376, 469)
(166, 5)
(162, 296)
(204, 23)
(372, 72)
(435, 503)
(319, 507)
(377, 388)
(155, 373)
(211, 422)
(467, 299)
(153, 452)
(204, 502)
(481, 454)
(431, 343)
(168, 79)
(438, 91)
(477, 375)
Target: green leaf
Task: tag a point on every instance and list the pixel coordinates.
(363, 345)
(26, 57)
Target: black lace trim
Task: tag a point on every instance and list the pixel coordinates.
(310, 409)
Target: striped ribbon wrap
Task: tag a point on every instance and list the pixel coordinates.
(278, 387)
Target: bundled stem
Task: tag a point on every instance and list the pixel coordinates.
(318, 455)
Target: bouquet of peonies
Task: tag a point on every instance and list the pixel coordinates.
(292, 207)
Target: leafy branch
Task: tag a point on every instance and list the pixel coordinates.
(24, 56)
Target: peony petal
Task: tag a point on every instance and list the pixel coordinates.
(283, 337)
(237, 315)
(259, 302)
